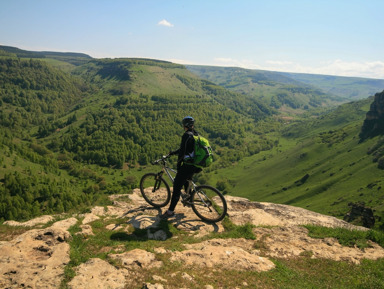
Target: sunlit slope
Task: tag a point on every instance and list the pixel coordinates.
(322, 171)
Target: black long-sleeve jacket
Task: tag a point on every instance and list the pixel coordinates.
(186, 146)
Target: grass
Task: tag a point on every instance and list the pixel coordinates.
(235, 231)
(347, 237)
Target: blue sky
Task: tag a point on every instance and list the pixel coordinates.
(337, 37)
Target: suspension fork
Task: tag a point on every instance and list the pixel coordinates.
(158, 181)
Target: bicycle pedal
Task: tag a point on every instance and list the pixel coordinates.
(186, 203)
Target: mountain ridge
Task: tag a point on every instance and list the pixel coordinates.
(296, 90)
(40, 54)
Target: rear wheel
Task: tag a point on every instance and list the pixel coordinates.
(209, 204)
(155, 190)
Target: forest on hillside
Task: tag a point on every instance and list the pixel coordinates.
(56, 125)
(75, 129)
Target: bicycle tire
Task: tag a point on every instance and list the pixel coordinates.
(155, 190)
(209, 204)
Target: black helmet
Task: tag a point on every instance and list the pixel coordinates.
(188, 121)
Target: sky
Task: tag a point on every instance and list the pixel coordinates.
(333, 37)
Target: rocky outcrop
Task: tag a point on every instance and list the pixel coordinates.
(37, 258)
(361, 214)
(374, 121)
(288, 242)
(243, 211)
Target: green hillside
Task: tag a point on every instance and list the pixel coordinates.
(67, 140)
(139, 103)
(319, 165)
(277, 90)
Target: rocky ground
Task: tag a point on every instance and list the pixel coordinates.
(38, 257)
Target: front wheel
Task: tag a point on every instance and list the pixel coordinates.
(155, 190)
(209, 204)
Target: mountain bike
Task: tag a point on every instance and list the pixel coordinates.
(206, 201)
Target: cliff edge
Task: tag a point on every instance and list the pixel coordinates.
(39, 257)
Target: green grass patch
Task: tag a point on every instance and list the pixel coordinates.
(8, 233)
(347, 237)
(235, 231)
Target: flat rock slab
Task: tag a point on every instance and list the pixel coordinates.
(288, 242)
(31, 223)
(98, 274)
(218, 254)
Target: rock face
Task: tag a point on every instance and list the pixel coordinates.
(37, 258)
(374, 121)
(243, 211)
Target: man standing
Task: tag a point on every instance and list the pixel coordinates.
(184, 171)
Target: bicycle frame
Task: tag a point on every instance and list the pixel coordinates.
(166, 169)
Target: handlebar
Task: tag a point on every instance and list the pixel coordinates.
(163, 158)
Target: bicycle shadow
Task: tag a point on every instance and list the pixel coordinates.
(181, 221)
(141, 209)
(144, 226)
(143, 235)
(184, 222)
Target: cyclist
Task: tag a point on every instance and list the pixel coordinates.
(184, 171)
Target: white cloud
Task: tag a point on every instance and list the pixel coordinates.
(370, 69)
(165, 23)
